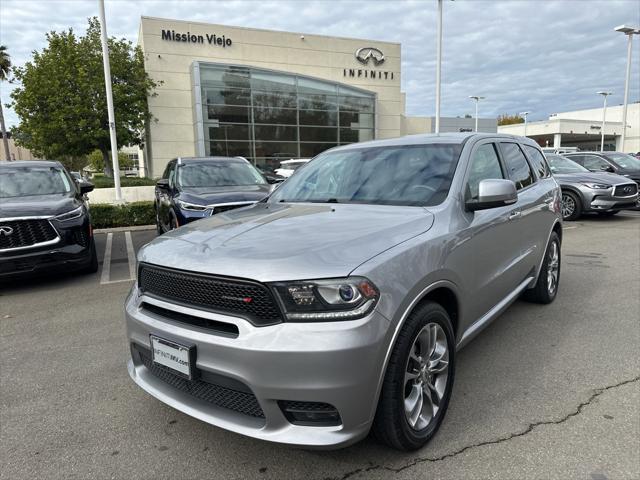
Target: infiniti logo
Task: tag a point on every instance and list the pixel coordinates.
(5, 230)
(628, 189)
(364, 54)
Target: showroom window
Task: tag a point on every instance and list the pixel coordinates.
(270, 116)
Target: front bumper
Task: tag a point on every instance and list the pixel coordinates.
(603, 203)
(336, 363)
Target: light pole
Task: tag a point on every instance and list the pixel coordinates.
(629, 32)
(604, 118)
(438, 65)
(525, 114)
(112, 121)
(477, 99)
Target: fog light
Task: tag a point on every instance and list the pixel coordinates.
(310, 414)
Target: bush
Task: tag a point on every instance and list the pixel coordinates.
(127, 215)
(100, 181)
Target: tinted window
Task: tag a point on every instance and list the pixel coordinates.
(395, 175)
(538, 161)
(517, 166)
(484, 165)
(625, 161)
(25, 181)
(593, 162)
(219, 174)
(560, 164)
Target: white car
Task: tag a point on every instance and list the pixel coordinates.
(287, 167)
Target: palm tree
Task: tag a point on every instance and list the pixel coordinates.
(5, 68)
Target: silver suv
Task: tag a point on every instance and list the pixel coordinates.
(336, 306)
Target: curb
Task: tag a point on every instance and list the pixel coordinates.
(124, 229)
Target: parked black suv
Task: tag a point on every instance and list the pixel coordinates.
(613, 162)
(194, 188)
(44, 220)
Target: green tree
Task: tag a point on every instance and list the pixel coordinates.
(507, 119)
(62, 103)
(96, 160)
(5, 69)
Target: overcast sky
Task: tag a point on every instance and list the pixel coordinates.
(543, 56)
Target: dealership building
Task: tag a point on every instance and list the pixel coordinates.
(268, 95)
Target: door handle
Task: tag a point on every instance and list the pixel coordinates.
(515, 214)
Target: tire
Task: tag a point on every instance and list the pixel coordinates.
(542, 292)
(571, 206)
(93, 262)
(391, 424)
(610, 213)
(173, 224)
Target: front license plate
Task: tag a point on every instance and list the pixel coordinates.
(172, 355)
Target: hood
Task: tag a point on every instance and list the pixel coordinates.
(591, 177)
(275, 242)
(628, 173)
(38, 205)
(213, 195)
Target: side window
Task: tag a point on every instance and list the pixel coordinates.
(593, 162)
(166, 170)
(172, 175)
(538, 161)
(517, 166)
(579, 159)
(484, 165)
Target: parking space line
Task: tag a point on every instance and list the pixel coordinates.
(131, 255)
(106, 262)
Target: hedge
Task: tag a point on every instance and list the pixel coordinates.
(127, 215)
(100, 181)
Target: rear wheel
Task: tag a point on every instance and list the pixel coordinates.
(546, 287)
(571, 206)
(418, 381)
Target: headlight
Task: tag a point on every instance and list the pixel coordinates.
(192, 206)
(327, 300)
(597, 186)
(75, 213)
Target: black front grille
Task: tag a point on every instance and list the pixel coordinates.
(243, 298)
(244, 403)
(82, 237)
(25, 233)
(626, 190)
(224, 208)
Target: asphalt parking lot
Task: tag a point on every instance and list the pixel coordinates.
(544, 392)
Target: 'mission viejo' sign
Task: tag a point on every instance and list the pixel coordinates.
(189, 37)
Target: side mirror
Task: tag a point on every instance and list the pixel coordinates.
(493, 193)
(86, 187)
(163, 184)
(607, 168)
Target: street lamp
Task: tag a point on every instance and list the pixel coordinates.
(604, 116)
(629, 32)
(438, 65)
(477, 99)
(524, 114)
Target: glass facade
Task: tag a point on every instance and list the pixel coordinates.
(270, 116)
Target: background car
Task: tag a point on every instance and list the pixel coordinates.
(287, 167)
(585, 191)
(194, 188)
(44, 220)
(613, 162)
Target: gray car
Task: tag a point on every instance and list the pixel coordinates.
(586, 191)
(337, 305)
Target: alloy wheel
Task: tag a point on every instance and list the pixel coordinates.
(568, 206)
(425, 378)
(553, 267)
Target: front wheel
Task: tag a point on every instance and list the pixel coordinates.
(92, 267)
(418, 381)
(546, 288)
(571, 206)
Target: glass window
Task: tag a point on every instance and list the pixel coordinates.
(226, 96)
(560, 164)
(356, 120)
(593, 162)
(275, 115)
(229, 132)
(282, 150)
(517, 165)
(224, 113)
(272, 81)
(317, 102)
(271, 99)
(357, 104)
(230, 149)
(318, 117)
(218, 174)
(417, 175)
(172, 174)
(624, 160)
(278, 133)
(318, 134)
(485, 165)
(309, 85)
(349, 135)
(309, 150)
(226, 76)
(538, 161)
(27, 181)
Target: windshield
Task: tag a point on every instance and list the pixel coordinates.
(292, 165)
(625, 161)
(219, 174)
(560, 164)
(417, 175)
(27, 181)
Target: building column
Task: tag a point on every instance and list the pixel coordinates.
(618, 142)
(557, 140)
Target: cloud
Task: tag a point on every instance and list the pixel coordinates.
(544, 56)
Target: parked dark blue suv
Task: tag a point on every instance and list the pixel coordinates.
(194, 188)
